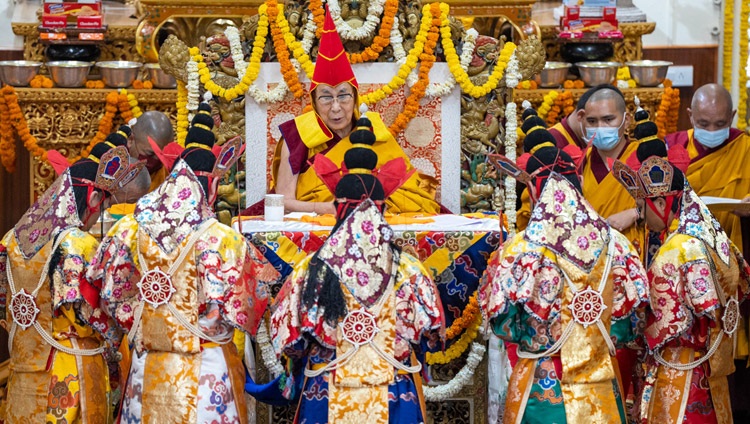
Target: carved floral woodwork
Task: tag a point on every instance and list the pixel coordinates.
(67, 119)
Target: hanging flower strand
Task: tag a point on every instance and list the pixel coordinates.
(411, 107)
(411, 62)
(461, 76)
(114, 101)
(282, 52)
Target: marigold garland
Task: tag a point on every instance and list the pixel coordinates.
(253, 68)
(742, 107)
(461, 76)
(12, 116)
(7, 137)
(459, 347)
(466, 319)
(182, 113)
(383, 39)
(668, 112)
(427, 59)
(728, 47)
(295, 46)
(319, 16)
(282, 51)
(562, 106)
(547, 102)
(527, 85)
(405, 69)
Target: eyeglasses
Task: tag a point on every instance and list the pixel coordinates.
(342, 99)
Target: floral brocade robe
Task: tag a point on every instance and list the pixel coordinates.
(685, 318)
(175, 376)
(568, 277)
(530, 308)
(45, 384)
(302, 334)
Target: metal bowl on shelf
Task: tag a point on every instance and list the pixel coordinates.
(69, 73)
(18, 73)
(648, 73)
(159, 78)
(553, 74)
(119, 73)
(595, 73)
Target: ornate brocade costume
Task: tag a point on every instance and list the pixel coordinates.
(48, 383)
(567, 291)
(698, 278)
(373, 382)
(184, 367)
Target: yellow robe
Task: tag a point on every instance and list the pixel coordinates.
(45, 384)
(413, 196)
(121, 209)
(609, 197)
(723, 173)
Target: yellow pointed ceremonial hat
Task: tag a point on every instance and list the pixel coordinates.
(332, 67)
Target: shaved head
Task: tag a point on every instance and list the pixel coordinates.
(136, 188)
(712, 94)
(711, 108)
(608, 94)
(157, 126)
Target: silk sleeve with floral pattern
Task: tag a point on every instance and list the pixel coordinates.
(71, 287)
(522, 273)
(683, 294)
(114, 271)
(235, 276)
(523, 286)
(630, 285)
(418, 307)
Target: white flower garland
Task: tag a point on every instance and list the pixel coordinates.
(512, 77)
(374, 10)
(278, 93)
(235, 46)
(433, 89)
(193, 88)
(463, 377)
(266, 351)
(511, 138)
(512, 72)
(308, 36)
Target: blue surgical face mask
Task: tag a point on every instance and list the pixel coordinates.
(711, 139)
(605, 138)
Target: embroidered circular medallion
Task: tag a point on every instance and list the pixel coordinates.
(359, 327)
(156, 287)
(23, 309)
(731, 317)
(587, 306)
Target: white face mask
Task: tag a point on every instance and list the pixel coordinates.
(711, 139)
